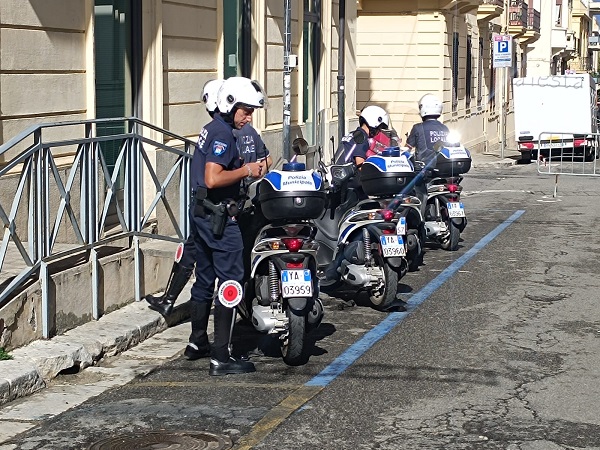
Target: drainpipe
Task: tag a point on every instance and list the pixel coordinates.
(341, 71)
(287, 79)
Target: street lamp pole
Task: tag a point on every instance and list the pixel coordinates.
(503, 87)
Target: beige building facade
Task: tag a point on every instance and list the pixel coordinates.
(80, 59)
(68, 60)
(409, 48)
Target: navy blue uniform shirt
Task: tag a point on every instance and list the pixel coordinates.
(360, 150)
(250, 144)
(424, 135)
(216, 144)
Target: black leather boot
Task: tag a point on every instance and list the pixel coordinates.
(221, 362)
(199, 346)
(177, 280)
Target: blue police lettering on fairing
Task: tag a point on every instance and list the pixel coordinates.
(219, 148)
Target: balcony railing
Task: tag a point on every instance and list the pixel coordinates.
(517, 14)
(533, 20)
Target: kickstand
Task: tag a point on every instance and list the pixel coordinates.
(396, 306)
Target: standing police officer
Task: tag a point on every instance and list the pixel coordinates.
(217, 173)
(251, 148)
(184, 264)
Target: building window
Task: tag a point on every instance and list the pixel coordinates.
(455, 44)
(469, 74)
(480, 73)
(492, 86)
(237, 38)
(311, 56)
(118, 56)
(558, 13)
(231, 35)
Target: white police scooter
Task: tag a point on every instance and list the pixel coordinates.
(358, 236)
(445, 216)
(282, 293)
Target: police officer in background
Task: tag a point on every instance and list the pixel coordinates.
(183, 268)
(360, 144)
(423, 136)
(357, 147)
(251, 148)
(217, 173)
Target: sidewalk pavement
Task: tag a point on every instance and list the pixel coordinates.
(511, 158)
(35, 365)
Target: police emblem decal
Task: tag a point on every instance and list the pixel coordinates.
(219, 148)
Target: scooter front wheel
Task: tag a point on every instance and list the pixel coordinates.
(293, 345)
(451, 243)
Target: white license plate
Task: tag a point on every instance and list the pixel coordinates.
(456, 209)
(392, 245)
(401, 226)
(296, 283)
(554, 144)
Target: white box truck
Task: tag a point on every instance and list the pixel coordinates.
(555, 114)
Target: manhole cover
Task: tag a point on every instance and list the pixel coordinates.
(164, 440)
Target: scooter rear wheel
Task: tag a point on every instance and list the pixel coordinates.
(293, 345)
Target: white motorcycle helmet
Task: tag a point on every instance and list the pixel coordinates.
(209, 94)
(240, 91)
(430, 105)
(375, 117)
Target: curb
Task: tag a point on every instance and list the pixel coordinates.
(35, 365)
(493, 162)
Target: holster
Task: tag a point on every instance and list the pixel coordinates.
(219, 212)
(218, 217)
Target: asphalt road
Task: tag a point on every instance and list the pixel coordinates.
(497, 349)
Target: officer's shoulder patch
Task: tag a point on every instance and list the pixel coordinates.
(219, 148)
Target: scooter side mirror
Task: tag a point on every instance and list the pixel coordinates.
(300, 146)
(322, 167)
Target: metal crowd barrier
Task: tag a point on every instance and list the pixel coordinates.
(88, 192)
(568, 154)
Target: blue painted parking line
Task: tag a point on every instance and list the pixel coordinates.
(356, 350)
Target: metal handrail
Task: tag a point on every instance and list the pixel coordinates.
(95, 187)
